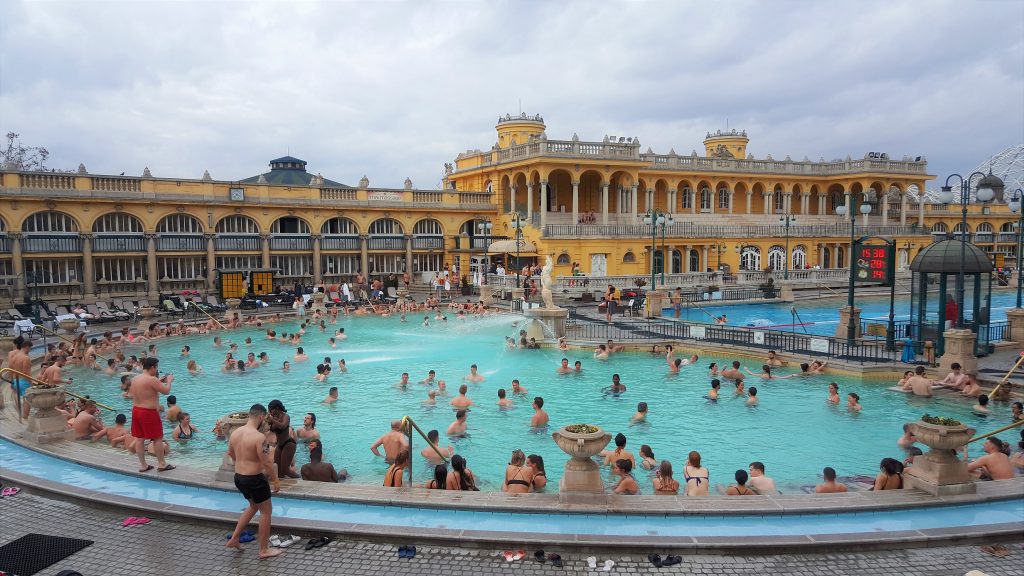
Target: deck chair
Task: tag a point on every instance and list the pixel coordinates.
(97, 314)
(14, 314)
(171, 307)
(107, 310)
(212, 301)
(392, 294)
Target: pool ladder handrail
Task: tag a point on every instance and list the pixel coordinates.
(994, 432)
(196, 306)
(42, 384)
(409, 425)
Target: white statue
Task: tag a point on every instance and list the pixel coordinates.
(545, 282)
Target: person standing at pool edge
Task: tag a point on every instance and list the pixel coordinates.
(252, 468)
(146, 423)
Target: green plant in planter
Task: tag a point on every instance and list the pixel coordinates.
(581, 428)
(940, 420)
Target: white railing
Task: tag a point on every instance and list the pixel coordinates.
(690, 230)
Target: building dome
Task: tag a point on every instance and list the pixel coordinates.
(944, 258)
(290, 171)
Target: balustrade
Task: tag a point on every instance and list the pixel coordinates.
(386, 243)
(116, 184)
(36, 243)
(118, 243)
(180, 243)
(690, 230)
(424, 197)
(427, 242)
(337, 194)
(48, 181)
(333, 242)
(5, 244)
(291, 242)
(240, 242)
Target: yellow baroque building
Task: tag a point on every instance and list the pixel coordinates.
(81, 236)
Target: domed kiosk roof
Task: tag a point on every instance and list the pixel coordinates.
(944, 258)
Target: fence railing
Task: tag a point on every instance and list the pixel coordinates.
(691, 230)
(291, 242)
(386, 243)
(119, 243)
(244, 242)
(427, 242)
(328, 242)
(180, 243)
(51, 243)
(810, 345)
(5, 244)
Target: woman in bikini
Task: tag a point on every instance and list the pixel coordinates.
(184, 430)
(540, 478)
(890, 475)
(393, 477)
(664, 483)
(518, 476)
(696, 477)
(740, 488)
(440, 478)
(627, 484)
(460, 478)
(647, 459)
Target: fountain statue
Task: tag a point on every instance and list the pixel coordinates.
(548, 321)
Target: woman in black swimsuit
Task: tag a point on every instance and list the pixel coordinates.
(740, 489)
(540, 479)
(393, 477)
(281, 426)
(440, 478)
(518, 476)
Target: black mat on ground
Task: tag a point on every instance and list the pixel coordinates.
(33, 552)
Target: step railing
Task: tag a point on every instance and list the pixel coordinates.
(409, 425)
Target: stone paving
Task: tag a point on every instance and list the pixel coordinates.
(179, 547)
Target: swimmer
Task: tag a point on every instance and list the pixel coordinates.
(461, 402)
(431, 398)
(264, 359)
(691, 360)
(739, 388)
(286, 366)
(907, 439)
(601, 353)
(673, 368)
(971, 388)
(473, 376)
(393, 442)
(517, 389)
(332, 396)
(613, 347)
(332, 342)
(458, 427)
(441, 388)
(818, 367)
(918, 383)
(430, 452)
(300, 355)
(429, 380)
(184, 351)
(503, 402)
(752, 396)
(616, 388)
(578, 367)
(404, 382)
(853, 402)
(774, 360)
(713, 370)
(562, 345)
(833, 393)
(715, 385)
(540, 417)
(619, 453)
(217, 342)
(564, 368)
(641, 413)
(981, 407)
(340, 334)
(733, 373)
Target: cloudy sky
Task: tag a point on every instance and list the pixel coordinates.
(395, 89)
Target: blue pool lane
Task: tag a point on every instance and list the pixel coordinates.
(25, 461)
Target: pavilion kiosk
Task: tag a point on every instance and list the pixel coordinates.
(935, 271)
(243, 283)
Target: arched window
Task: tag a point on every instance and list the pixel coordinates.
(339, 225)
(3, 226)
(723, 198)
(694, 261)
(705, 199)
(677, 262)
(659, 262)
(826, 258)
(840, 257)
(51, 221)
(427, 227)
(289, 225)
(237, 224)
(940, 227)
(962, 228)
(180, 224)
(799, 257)
(777, 258)
(687, 198)
(117, 222)
(1009, 227)
(386, 227)
(903, 259)
(836, 199)
(779, 200)
(563, 258)
(984, 228)
(629, 257)
(750, 258)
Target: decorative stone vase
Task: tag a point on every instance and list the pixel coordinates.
(939, 471)
(228, 424)
(233, 308)
(318, 302)
(45, 423)
(581, 472)
(70, 325)
(146, 312)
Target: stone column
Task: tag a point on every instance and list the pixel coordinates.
(265, 247)
(408, 254)
(575, 201)
(732, 202)
(821, 256)
(769, 203)
(704, 259)
(714, 200)
(821, 204)
(543, 203)
(1016, 318)
(694, 201)
(211, 261)
(903, 209)
(17, 266)
(959, 347)
(842, 329)
(849, 205)
(153, 279)
(364, 255)
(672, 204)
(88, 271)
(604, 203)
(512, 197)
(529, 201)
(750, 198)
(635, 200)
(885, 211)
(318, 276)
(686, 258)
(920, 213)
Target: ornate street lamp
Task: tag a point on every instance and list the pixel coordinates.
(1015, 206)
(655, 218)
(865, 208)
(786, 220)
(518, 225)
(485, 227)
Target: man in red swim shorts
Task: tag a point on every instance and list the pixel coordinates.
(146, 389)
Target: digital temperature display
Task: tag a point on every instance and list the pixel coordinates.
(873, 264)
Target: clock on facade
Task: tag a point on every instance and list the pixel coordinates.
(237, 194)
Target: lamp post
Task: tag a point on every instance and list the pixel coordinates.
(719, 248)
(518, 225)
(1015, 206)
(987, 188)
(865, 208)
(786, 220)
(655, 218)
(485, 227)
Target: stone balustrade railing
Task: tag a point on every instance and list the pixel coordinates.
(701, 231)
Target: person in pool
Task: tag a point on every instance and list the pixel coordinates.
(540, 417)
(564, 368)
(430, 452)
(627, 484)
(829, 486)
(458, 427)
(610, 456)
(503, 402)
(833, 393)
(713, 392)
(713, 370)
(184, 430)
(740, 487)
(332, 396)
(641, 413)
(308, 431)
(853, 402)
(752, 396)
(616, 388)
(733, 373)
(474, 376)
(518, 476)
(518, 390)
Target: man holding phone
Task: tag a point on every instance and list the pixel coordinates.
(146, 389)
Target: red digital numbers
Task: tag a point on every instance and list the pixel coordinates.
(873, 263)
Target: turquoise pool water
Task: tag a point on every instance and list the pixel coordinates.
(794, 432)
(820, 316)
(43, 466)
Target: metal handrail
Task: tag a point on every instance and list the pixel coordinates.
(994, 432)
(197, 307)
(42, 384)
(409, 426)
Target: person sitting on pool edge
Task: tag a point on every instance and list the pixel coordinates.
(829, 486)
(740, 488)
(518, 476)
(995, 464)
(760, 483)
(319, 471)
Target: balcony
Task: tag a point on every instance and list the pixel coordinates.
(335, 242)
(703, 231)
(291, 242)
(118, 243)
(64, 243)
(180, 243)
(984, 238)
(5, 244)
(1007, 237)
(427, 242)
(386, 243)
(238, 242)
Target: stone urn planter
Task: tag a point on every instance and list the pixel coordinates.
(226, 425)
(581, 442)
(318, 302)
(939, 471)
(45, 423)
(146, 312)
(70, 325)
(233, 308)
